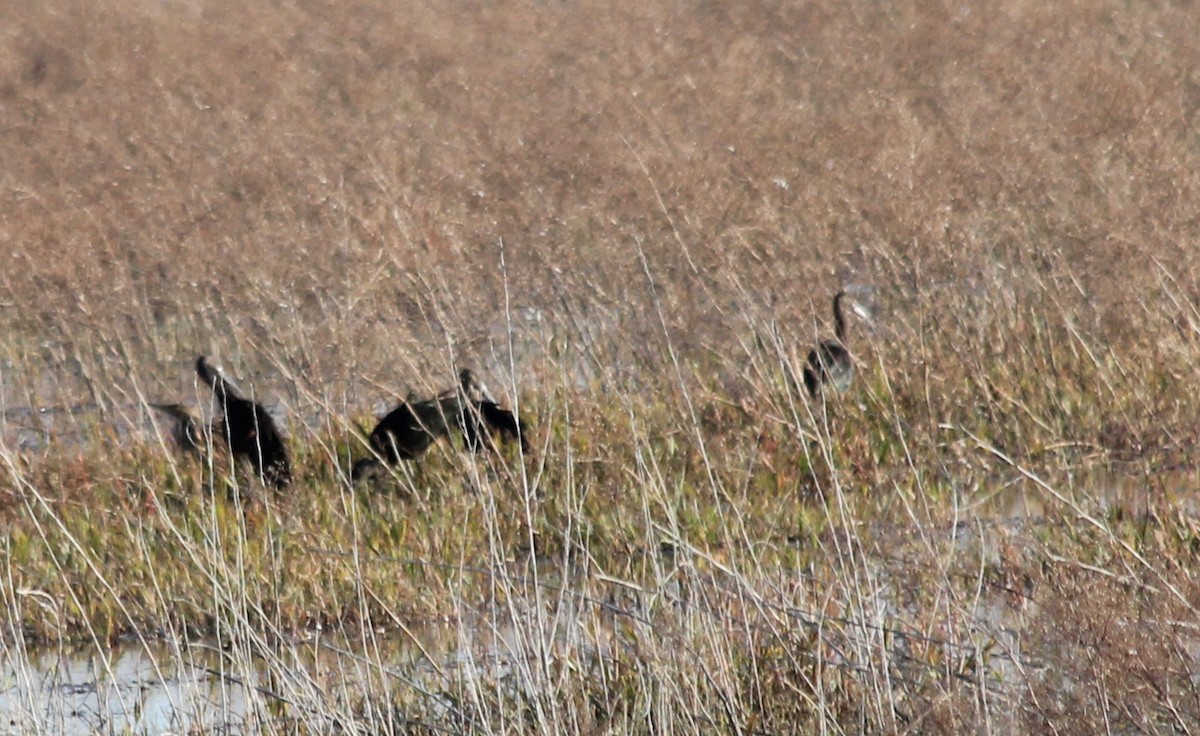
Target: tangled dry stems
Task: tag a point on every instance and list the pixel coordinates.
(633, 217)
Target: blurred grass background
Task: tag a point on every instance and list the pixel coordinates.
(631, 219)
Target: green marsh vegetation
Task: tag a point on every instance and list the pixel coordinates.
(631, 222)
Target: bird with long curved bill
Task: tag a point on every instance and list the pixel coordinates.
(413, 427)
(248, 429)
(830, 362)
(480, 416)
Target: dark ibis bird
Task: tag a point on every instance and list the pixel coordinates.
(413, 427)
(248, 428)
(405, 433)
(829, 362)
(480, 416)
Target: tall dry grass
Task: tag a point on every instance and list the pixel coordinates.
(632, 219)
(332, 184)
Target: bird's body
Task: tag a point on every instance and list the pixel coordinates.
(408, 430)
(248, 428)
(414, 426)
(187, 432)
(830, 362)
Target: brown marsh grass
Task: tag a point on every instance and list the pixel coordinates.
(631, 219)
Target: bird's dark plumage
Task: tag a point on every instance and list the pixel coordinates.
(411, 428)
(830, 362)
(186, 431)
(480, 419)
(408, 430)
(479, 416)
(248, 428)
(406, 433)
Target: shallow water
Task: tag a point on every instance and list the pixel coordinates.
(127, 689)
(1096, 489)
(154, 687)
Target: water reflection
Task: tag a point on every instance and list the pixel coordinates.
(154, 688)
(130, 689)
(1098, 488)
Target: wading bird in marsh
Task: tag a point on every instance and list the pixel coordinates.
(248, 428)
(412, 427)
(480, 416)
(830, 361)
(405, 433)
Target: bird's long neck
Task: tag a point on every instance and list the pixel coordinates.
(473, 389)
(839, 319)
(216, 380)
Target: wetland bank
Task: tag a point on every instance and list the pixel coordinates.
(630, 222)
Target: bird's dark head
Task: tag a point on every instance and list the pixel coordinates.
(472, 387)
(364, 468)
(467, 379)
